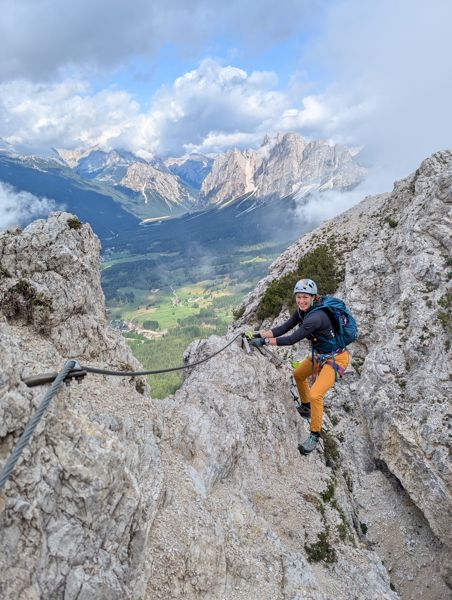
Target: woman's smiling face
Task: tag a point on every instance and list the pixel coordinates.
(303, 301)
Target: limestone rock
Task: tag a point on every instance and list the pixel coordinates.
(204, 494)
(143, 177)
(243, 510)
(283, 166)
(396, 252)
(76, 510)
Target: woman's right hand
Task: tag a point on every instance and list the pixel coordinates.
(266, 333)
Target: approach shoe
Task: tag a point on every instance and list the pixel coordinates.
(309, 444)
(304, 410)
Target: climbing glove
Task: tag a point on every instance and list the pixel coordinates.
(257, 342)
(251, 335)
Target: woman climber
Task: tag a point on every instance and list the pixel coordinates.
(329, 357)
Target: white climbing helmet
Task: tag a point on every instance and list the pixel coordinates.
(305, 286)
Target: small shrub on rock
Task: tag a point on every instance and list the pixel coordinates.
(22, 301)
(321, 550)
(74, 223)
(320, 265)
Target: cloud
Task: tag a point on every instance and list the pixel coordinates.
(391, 90)
(40, 116)
(208, 109)
(40, 39)
(322, 206)
(213, 107)
(17, 208)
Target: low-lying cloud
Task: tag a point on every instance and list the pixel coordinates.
(20, 207)
(322, 206)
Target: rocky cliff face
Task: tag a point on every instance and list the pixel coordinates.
(73, 517)
(396, 253)
(149, 180)
(285, 165)
(203, 495)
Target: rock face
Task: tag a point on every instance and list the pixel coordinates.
(396, 253)
(285, 165)
(204, 495)
(151, 179)
(242, 511)
(73, 516)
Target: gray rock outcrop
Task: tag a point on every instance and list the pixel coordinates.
(396, 253)
(73, 517)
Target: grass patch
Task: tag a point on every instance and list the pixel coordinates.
(321, 550)
(238, 312)
(391, 222)
(445, 316)
(328, 494)
(331, 450)
(22, 301)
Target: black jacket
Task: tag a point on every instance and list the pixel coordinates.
(310, 325)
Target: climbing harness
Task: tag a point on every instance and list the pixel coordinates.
(319, 360)
(73, 370)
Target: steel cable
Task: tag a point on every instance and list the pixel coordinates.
(82, 370)
(33, 422)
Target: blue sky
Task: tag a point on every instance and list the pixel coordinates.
(172, 77)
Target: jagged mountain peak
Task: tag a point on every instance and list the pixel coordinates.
(193, 156)
(71, 158)
(283, 165)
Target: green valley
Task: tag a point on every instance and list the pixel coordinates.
(169, 283)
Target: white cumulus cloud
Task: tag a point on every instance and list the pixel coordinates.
(40, 116)
(209, 109)
(18, 207)
(213, 107)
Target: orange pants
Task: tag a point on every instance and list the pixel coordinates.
(324, 381)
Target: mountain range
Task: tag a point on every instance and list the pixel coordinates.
(163, 188)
